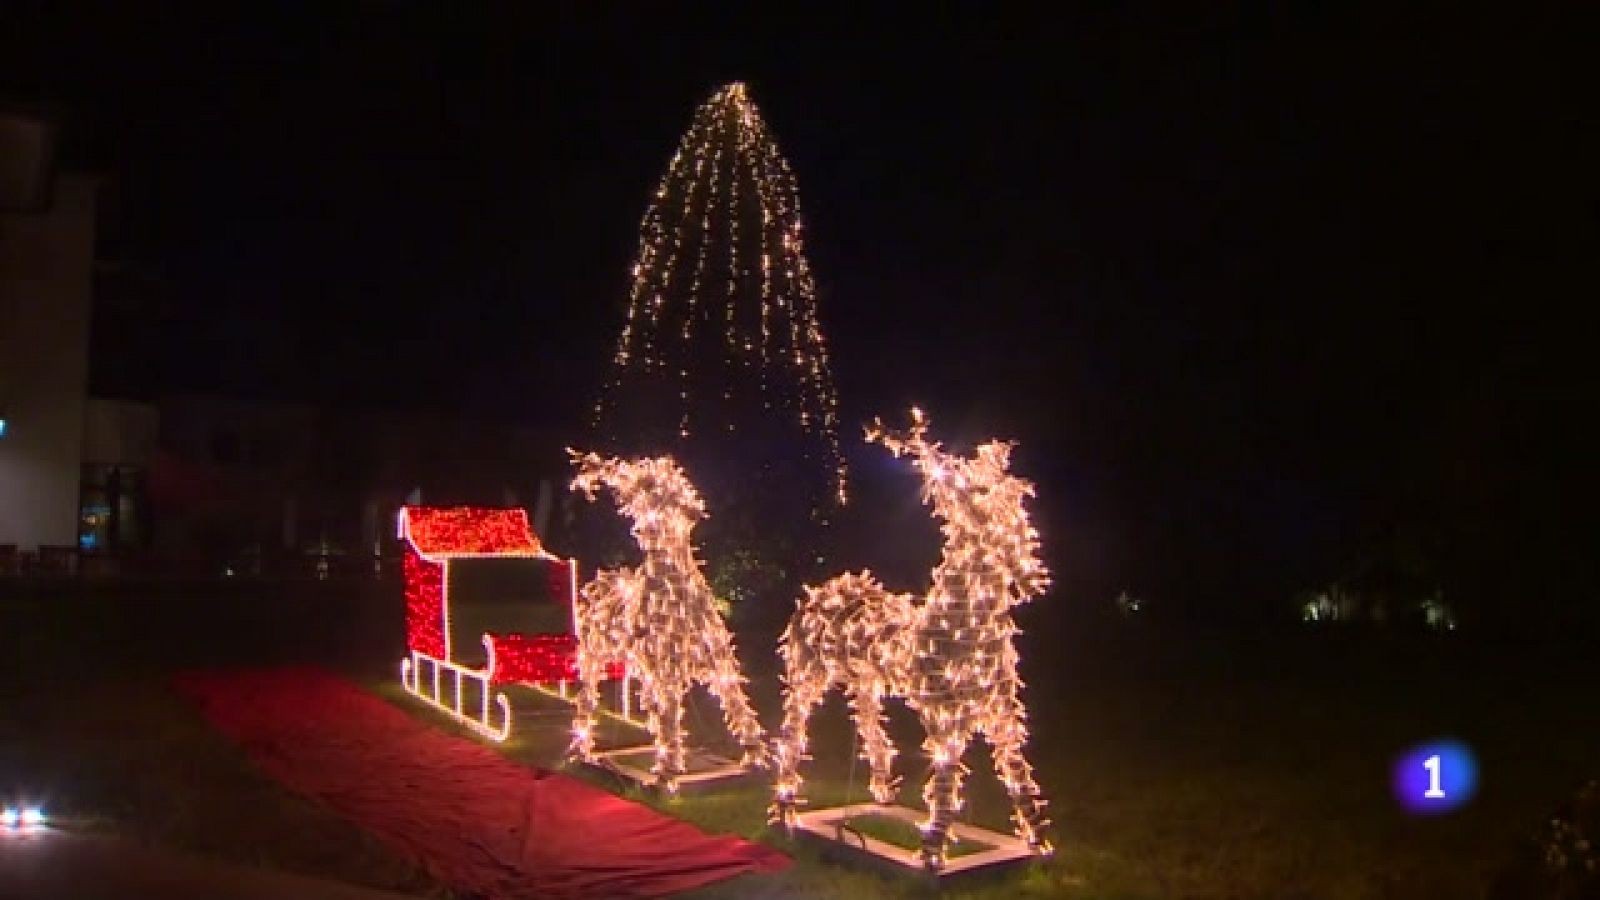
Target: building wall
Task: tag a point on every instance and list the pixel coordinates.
(338, 474)
(120, 433)
(46, 285)
(228, 473)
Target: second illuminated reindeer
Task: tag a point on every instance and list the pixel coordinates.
(950, 656)
(659, 616)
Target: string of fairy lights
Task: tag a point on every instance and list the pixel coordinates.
(698, 243)
(952, 657)
(730, 347)
(659, 617)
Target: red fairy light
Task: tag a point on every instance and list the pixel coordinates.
(539, 659)
(424, 604)
(436, 535)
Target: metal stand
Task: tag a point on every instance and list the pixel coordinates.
(443, 675)
(828, 829)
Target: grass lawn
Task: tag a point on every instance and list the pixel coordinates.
(905, 835)
(1177, 765)
(1251, 771)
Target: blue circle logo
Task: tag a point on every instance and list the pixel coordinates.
(1436, 777)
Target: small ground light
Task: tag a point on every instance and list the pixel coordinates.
(26, 817)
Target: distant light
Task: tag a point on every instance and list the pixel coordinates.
(2, 427)
(27, 817)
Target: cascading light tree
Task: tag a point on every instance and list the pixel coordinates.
(722, 361)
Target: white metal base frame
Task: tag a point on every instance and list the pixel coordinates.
(824, 825)
(712, 770)
(446, 675)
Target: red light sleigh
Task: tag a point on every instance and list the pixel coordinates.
(486, 551)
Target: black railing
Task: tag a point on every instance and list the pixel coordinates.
(62, 562)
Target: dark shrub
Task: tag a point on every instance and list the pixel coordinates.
(1560, 861)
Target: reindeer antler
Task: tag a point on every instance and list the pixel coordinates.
(638, 485)
(913, 440)
(593, 471)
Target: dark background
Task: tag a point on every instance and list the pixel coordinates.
(1263, 296)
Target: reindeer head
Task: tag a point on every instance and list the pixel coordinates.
(945, 484)
(980, 501)
(654, 492)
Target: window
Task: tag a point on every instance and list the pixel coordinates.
(94, 521)
(111, 508)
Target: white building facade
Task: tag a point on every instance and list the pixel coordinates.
(47, 258)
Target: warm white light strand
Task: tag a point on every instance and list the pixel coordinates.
(659, 617)
(642, 297)
(735, 356)
(787, 292)
(431, 691)
(687, 331)
(952, 657)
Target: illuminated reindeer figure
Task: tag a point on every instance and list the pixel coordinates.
(660, 616)
(951, 658)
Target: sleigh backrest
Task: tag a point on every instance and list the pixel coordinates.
(476, 570)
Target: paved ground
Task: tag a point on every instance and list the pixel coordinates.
(57, 865)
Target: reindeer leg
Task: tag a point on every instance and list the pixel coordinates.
(669, 736)
(876, 747)
(945, 744)
(800, 698)
(591, 665)
(727, 685)
(1027, 807)
(588, 700)
(805, 681)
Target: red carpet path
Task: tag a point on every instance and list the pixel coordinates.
(479, 822)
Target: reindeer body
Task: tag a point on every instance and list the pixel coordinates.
(659, 616)
(951, 658)
(852, 634)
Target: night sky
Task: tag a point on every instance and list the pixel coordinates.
(1257, 294)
